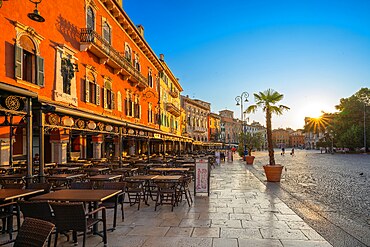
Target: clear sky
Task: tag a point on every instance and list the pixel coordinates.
(312, 51)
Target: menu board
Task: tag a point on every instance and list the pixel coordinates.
(202, 176)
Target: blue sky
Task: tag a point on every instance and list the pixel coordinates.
(313, 52)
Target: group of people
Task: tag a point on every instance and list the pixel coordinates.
(283, 151)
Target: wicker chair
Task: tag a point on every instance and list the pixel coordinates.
(6, 215)
(112, 203)
(33, 233)
(37, 209)
(82, 185)
(72, 217)
(13, 186)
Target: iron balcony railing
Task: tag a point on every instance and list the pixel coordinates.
(88, 35)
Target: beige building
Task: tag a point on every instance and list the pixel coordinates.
(230, 127)
(197, 114)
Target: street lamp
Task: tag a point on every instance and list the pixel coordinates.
(240, 101)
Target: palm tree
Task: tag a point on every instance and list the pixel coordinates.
(267, 100)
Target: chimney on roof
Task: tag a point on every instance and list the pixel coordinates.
(161, 57)
(140, 28)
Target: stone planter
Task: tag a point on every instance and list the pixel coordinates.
(273, 173)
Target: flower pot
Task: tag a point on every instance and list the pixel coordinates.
(273, 173)
(249, 159)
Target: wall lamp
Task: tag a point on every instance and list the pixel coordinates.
(35, 16)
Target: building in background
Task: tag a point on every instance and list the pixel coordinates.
(214, 127)
(297, 139)
(231, 127)
(197, 114)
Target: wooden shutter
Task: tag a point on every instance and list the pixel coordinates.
(126, 107)
(87, 92)
(97, 94)
(40, 71)
(139, 115)
(112, 101)
(105, 98)
(18, 54)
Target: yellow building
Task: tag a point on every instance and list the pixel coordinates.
(170, 90)
(214, 127)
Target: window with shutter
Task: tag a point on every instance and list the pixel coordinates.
(105, 103)
(97, 94)
(90, 19)
(139, 115)
(112, 101)
(40, 71)
(87, 93)
(18, 62)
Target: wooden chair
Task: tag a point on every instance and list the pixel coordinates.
(166, 193)
(112, 203)
(135, 190)
(183, 189)
(33, 233)
(72, 217)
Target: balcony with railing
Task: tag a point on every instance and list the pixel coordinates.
(174, 94)
(171, 108)
(92, 41)
(200, 129)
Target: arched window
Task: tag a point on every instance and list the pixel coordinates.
(92, 89)
(137, 62)
(128, 52)
(107, 32)
(150, 78)
(90, 18)
(108, 95)
(28, 66)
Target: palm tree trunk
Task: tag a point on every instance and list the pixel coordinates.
(269, 137)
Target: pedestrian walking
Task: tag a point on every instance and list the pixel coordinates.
(283, 151)
(292, 152)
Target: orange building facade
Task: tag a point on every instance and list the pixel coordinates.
(83, 83)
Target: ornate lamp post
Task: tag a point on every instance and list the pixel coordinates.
(240, 101)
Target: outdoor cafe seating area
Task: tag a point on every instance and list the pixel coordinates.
(78, 195)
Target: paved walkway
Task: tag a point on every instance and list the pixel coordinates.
(239, 212)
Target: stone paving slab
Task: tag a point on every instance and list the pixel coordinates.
(239, 212)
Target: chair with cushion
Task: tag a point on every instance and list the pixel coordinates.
(112, 203)
(72, 217)
(33, 233)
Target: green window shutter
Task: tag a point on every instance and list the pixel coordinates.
(40, 71)
(87, 92)
(18, 70)
(97, 94)
(105, 103)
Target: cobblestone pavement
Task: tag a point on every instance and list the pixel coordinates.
(239, 212)
(336, 187)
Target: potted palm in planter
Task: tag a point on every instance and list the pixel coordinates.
(251, 141)
(268, 100)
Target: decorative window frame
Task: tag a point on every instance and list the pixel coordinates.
(94, 11)
(92, 70)
(108, 89)
(23, 30)
(128, 51)
(63, 51)
(105, 21)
